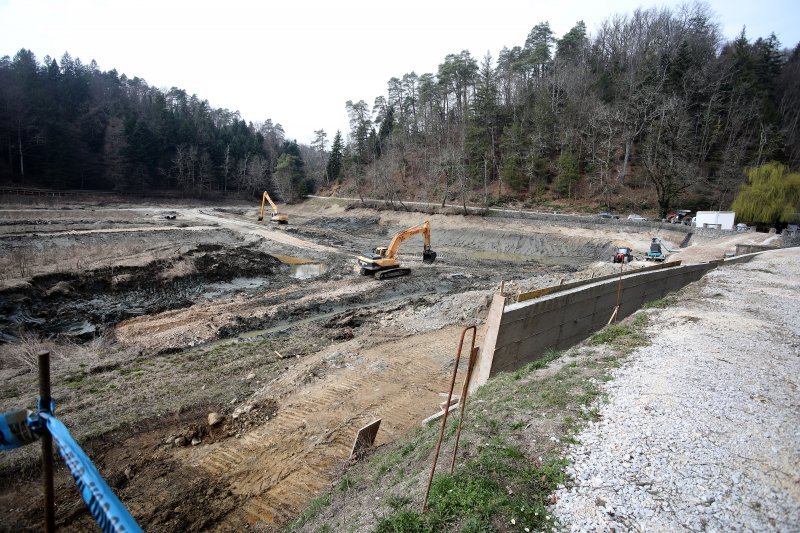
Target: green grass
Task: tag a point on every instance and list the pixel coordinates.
(625, 336)
(346, 483)
(316, 505)
(542, 362)
(500, 482)
(663, 303)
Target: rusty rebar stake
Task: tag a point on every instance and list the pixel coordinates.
(47, 444)
(447, 408)
(463, 402)
(619, 294)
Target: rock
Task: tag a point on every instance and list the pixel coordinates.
(180, 441)
(214, 419)
(341, 334)
(196, 441)
(120, 279)
(129, 472)
(62, 288)
(251, 376)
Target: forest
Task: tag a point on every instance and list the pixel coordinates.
(67, 125)
(653, 110)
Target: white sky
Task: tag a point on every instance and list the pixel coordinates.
(298, 61)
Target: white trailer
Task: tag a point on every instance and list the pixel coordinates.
(715, 219)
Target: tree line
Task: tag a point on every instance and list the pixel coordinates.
(68, 125)
(654, 108)
(655, 101)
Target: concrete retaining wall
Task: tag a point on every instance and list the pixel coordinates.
(743, 249)
(519, 333)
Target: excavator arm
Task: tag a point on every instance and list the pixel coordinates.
(275, 217)
(424, 229)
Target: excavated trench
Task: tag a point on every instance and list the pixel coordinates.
(80, 305)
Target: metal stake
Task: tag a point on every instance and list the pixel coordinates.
(47, 444)
(473, 353)
(447, 408)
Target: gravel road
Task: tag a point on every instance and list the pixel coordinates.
(701, 429)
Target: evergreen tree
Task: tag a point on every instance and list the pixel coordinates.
(568, 174)
(334, 167)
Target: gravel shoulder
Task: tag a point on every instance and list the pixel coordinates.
(699, 430)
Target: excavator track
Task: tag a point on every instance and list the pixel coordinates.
(392, 273)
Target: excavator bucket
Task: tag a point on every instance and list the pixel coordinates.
(260, 219)
(428, 256)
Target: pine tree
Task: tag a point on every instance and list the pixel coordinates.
(334, 168)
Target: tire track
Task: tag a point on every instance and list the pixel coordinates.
(281, 465)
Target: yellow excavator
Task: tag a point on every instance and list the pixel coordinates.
(275, 217)
(383, 262)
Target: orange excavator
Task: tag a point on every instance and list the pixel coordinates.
(383, 262)
(275, 217)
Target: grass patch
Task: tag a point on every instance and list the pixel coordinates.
(497, 485)
(346, 483)
(542, 362)
(316, 505)
(662, 303)
(625, 336)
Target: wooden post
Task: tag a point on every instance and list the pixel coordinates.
(47, 444)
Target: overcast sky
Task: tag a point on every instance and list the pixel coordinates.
(297, 62)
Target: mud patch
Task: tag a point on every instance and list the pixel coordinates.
(78, 305)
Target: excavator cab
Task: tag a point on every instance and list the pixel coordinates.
(381, 251)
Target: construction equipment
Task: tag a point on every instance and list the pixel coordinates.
(383, 262)
(275, 217)
(623, 255)
(655, 253)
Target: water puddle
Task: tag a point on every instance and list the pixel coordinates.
(308, 270)
(301, 267)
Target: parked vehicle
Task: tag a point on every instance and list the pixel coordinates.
(656, 253)
(715, 219)
(638, 218)
(678, 216)
(623, 255)
(741, 227)
(608, 215)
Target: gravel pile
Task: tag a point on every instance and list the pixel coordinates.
(701, 429)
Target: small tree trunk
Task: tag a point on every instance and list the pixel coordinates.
(485, 185)
(21, 156)
(624, 172)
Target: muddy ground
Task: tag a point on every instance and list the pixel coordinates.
(157, 317)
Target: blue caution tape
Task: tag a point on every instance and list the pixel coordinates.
(104, 505)
(15, 430)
